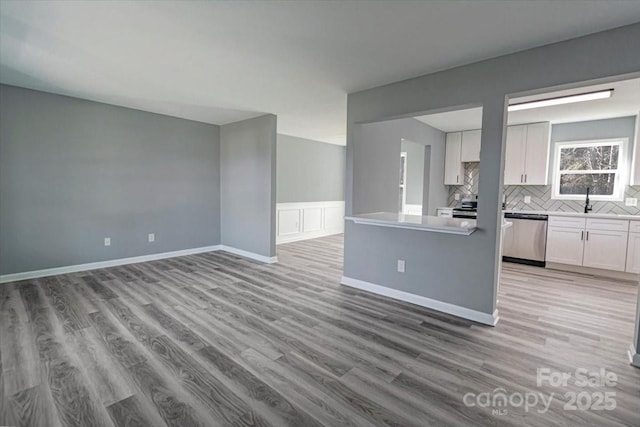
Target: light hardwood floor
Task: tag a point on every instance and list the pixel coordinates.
(215, 339)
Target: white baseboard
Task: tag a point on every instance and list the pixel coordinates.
(103, 264)
(634, 357)
(621, 275)
(251, 255)
(132, 260)
(465, 313)
(305, 236)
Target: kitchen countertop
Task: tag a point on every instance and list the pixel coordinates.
(576, 214)
(462, 226)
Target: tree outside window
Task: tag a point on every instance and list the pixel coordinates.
(597, 165)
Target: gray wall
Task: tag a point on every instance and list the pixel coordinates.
(415, 171)
(379, 155)
(248, 184)
(461, 270)
(73, 172)
(309, 171)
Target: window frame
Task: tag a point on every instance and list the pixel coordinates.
(621, 171)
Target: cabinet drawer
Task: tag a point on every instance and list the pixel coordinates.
(607, 224)
(634, 226)
(567, 221)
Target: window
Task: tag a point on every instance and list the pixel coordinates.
(597, 165)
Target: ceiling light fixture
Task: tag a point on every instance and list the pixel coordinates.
(589, 96)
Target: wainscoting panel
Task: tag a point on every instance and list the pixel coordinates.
(308, 220)
(312, 219)
(288, 221)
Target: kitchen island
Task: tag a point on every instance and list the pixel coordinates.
(461, 226)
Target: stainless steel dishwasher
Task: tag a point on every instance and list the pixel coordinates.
(525, 242)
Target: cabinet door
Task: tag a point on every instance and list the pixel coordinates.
(536, 168)
(635, 164)
(633, 253)
(565, 245)
(453, 168)
(470, 146)
(605, 249)
(514, 155)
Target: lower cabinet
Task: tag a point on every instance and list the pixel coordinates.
(605, 249)
(565, 245)
(633, 253)
(596, 243)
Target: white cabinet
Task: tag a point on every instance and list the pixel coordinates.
(536, 165)
(635, 165)
(605, 249)
(460, 147)
(592, 242)
(565, 245)
(453, 167)
(633, 253)
(470, 151)
(514, 157)
(527, 154)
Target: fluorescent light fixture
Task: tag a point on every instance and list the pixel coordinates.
(590, 96)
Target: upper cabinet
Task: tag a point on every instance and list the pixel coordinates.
(470, 146)
(453, 167)
(514, 158)
(527, 154)
(635, 166)
(461, 147)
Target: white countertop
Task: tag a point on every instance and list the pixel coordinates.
(577, 214)
(435, 224)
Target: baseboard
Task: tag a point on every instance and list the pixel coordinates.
(132, 260)
(456, 310)
(620, 275)
(251, 255)
(634, 357)
(103, 264)
(305, 236)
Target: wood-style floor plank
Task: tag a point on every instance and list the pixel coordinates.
(32, 407)
(215, 339)
(72, 395)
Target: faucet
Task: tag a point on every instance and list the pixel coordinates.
(587, 206)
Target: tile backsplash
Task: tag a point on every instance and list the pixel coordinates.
(541, 201)
(469, 188)
(540, 196)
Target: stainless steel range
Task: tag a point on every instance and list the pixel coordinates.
(467, 209)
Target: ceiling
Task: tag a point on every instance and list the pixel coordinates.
(624, 102)
(223, 61)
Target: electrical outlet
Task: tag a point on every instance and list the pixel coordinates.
(457, 196)
(400, 266)
(152, 237)
(527, 199)
(631, 201)
(107, 241)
